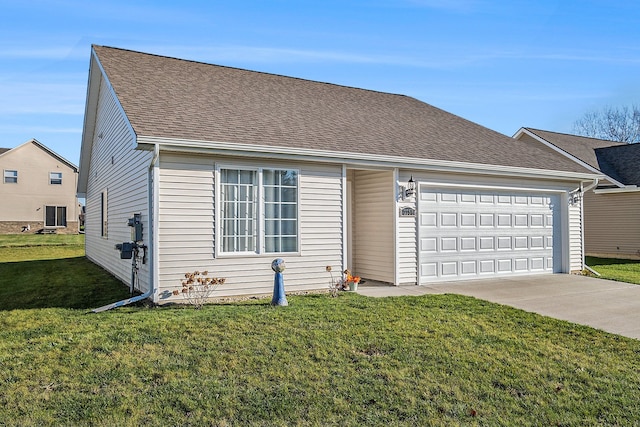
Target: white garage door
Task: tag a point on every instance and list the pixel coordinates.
(467, 234)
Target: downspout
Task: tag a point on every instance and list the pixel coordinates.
(582, 191)
(152, 241)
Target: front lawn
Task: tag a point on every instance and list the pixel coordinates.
(622, 270)
(351, 360)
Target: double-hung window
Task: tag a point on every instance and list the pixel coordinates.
(10, 177)
(55, 178)
(259, 210)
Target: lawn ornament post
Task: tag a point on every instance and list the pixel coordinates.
(279, 298)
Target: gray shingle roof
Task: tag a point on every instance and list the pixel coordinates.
(174, 98)
(618, 160)
(621, 162)
(4, 150)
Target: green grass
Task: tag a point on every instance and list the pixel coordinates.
(54, 273)
(622, 270)
(351, 360)
(31, 240)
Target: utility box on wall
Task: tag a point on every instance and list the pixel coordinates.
(136, 227)
(126, 250)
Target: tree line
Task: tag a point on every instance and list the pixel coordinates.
(621, 124)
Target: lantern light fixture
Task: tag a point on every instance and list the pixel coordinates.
(408, 191)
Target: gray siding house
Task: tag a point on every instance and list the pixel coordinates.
(611, 220)
(230, 168)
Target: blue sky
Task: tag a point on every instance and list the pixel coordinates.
(503, 64)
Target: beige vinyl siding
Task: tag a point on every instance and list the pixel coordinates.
(374, 219)
(407, 242)
(187, 228)
(121, 170)
(575, 237)
(407, 251)
(612, 225)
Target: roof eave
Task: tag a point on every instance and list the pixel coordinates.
(96, 75)
(355, 159)
(557, 149)
(626, 189)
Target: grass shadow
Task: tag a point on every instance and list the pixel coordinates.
(74, 283)
(591, 261)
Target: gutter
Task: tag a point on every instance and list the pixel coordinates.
(625, 189)
(354, 159)
(151, 244)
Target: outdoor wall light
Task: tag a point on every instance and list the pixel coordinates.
(409, 190)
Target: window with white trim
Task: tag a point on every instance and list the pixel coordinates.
(249, 194)
(280, 210)
(55, 178)
(238, 197)
(10, 177)
(55, 216)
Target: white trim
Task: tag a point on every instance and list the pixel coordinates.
(112, 92)
(396, 227)
(154, 207)
(565, 153)
(565, 232)
(346, 226)
(90, 116)
(260, 213)
(4, 176)
(493, 187)
(627, 189)
(582, 258)
(354, 159)
(50, 179)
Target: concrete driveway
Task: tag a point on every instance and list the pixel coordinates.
(602, 304)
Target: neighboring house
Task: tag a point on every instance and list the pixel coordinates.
(231, 169)
(38, 191)
(611, 210)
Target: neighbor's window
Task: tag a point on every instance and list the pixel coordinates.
(241, 194)
(10, 177)
(55, 216)
(280, 210)
(55, 178)
(238, 195)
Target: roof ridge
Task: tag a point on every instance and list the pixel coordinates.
(252, 71)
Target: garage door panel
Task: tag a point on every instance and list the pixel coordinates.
(469, 233)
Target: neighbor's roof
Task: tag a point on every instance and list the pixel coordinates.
(43, 148)
(619, 160)
(186, 100)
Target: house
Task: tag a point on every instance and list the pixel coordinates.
(38, 191)
(229, 169)
(612, 223)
